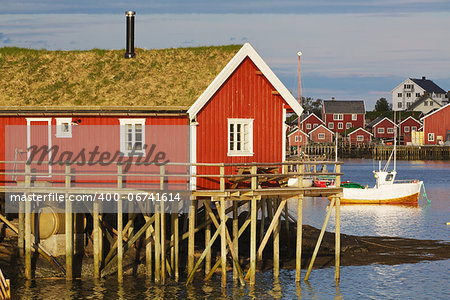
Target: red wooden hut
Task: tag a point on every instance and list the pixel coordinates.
(240, 117)
(310, 122)
(297, 138)
(384, 129)
(321, 134)
(359, 136)
(407, 126)
(436, 126)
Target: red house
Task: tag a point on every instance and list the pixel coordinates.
(383, 128)
(339, 116)
(310, 122)
(359, 136)
(240, 117)
(406, 127)
(297, 138)
(436, 126)
(321, 134)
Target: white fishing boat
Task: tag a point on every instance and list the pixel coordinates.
(387, 190)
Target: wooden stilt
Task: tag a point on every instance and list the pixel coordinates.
(298, 259)
(95, 237)
(235, 238)
(286, 222)
(176, 233)
(157, 243)
(100, 236)
(69, 229)
(319, 240)
(254, 186)
(253, 242)
(27, 225)
(191, 241)
(223, 242)
(338, 239)
(207, 240)
(119, 228)
(276, 245)
(261, 230)
(148, 249)
(163, 243)
(21, 234)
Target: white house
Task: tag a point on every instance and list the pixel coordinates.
(410, 90)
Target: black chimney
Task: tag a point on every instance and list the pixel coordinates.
(130, 34)
(423, 78)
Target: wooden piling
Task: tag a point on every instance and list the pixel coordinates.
(163, 243)
(191, 238)
(119, 228)
(69, 228)
(21, 233)
(148, 248)
(254, 185)
(337, 239)
(157, 243)
(276, 244)
(235, 238)
(223, 242)
(95, 237)
(27, 225)
(298, 258)
(207, 240)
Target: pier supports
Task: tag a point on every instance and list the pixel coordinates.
(298, 258)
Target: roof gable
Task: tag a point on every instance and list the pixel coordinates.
(321, 126)
(294, 131)
(382, 120)
(344, 107)
(421, 100)
(358, 129)
(313, 115)
(246, 51)
(418, 122)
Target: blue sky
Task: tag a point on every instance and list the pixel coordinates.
(352, 49)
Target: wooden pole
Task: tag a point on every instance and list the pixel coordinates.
(235, 238)
(337, 238)
(254, 186)
(27, 225)
(148, 249)
(276, 245)
(157, 243)
(319, 240)
(163, 243)
(298, 261)
(262, 225)
(286, 222)
(119, 228)
(191, 241)
(223, 242)
(176, 233)
(95, 233)
(21, 237)
(207, 240)
(69, 229)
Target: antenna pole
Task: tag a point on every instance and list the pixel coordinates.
(300, 100)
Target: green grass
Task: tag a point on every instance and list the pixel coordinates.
(173, 77)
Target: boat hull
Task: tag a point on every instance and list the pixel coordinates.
(397, 193)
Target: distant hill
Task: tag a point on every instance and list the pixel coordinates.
(163, 77)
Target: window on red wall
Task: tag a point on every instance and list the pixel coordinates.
(360, 138)
(390, 130)
(380, 130)
(406, 129)
(340, 125)
(321, 136)
(348, 125)
(354, 117)
(331, 125)
(431, 137)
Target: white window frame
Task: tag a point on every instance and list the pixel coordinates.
(354, 117)
(123, 134)
(413, 128)
(296, 139)
(340, 125)
(321, 136)
(348, 125)
(360, 138)
(60, 132)
(315, 125)
(331, 125)
(431, 137)
(308, 126)
(242, 152)
(338, 117)
(380, 130)
(390, 130)
(406, 129)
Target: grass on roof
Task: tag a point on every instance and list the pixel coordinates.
(163, 77)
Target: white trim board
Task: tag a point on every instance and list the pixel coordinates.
(246, 51)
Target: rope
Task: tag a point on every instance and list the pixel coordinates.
(425, 193)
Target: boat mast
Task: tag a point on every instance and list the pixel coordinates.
(300, 100)
(395, 144)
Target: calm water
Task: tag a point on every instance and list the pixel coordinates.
(426, 280)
